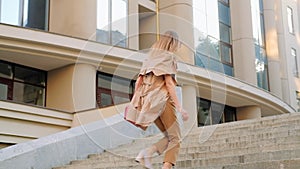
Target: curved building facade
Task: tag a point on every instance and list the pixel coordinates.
(65, 63)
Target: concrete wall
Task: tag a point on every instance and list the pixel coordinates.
(22, 123)
(76, 143)
(59, 89)
(75, 18)
(248, 112)
(72, 88)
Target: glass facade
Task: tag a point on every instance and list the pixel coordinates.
(112, 22)
(25, 13)
(212, 30)
(22, 84)
(261, 60)
(210, 113)
(113, 90)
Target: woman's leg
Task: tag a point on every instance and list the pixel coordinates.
(167, 123)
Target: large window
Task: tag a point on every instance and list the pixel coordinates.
(25, 13)
(261, 60)
(22, 84)
(112, 22)
(113, 90)
(290, 19)
(213, 35)
(210, 113)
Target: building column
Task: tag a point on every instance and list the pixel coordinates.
(84, 87)
(177, 15)
(272, 48)
(72, 88)
(189, 103)
(248, 112)
(76, 18)
(242, 41)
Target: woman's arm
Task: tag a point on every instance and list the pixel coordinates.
(172, 92)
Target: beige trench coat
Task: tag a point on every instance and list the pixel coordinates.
(150, 99)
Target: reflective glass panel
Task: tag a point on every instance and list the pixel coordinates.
(213, 48)
(119, 22)
(30, 76)
(203, 112)
(35, 14)
(5, 70)
(226, 54)
(199, 19)
(105, 100)
(28, 94)
(224, 14)
(295, 62)
(225, 33)
(290, 19)
(212, 18)
(257, 22)
(3, 91)
(103, 26)
(202, 45)
(228, 70)
(202, 60)
(10, 12)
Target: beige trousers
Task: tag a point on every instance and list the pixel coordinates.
(168, 124)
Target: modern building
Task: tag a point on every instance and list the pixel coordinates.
(65, 63)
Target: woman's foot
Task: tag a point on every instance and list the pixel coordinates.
(167, 165)
(144, 158)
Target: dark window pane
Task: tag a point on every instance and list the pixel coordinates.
(30, 76)
(230, 114)
(28, 94)
(104, 81)
(113, 90)
(203, 112)
(217, 112)
(5, 70)
(37, 14)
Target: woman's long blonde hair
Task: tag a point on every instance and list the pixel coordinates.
(168, 42)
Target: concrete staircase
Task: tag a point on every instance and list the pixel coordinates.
(266, 143)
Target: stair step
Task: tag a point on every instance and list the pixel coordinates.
(267, 143)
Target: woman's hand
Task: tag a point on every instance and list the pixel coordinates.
(184, 115)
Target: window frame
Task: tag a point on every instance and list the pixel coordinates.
(110, 92)
(223, 117)
(11, 82)
(110, 24)
(21, 15)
